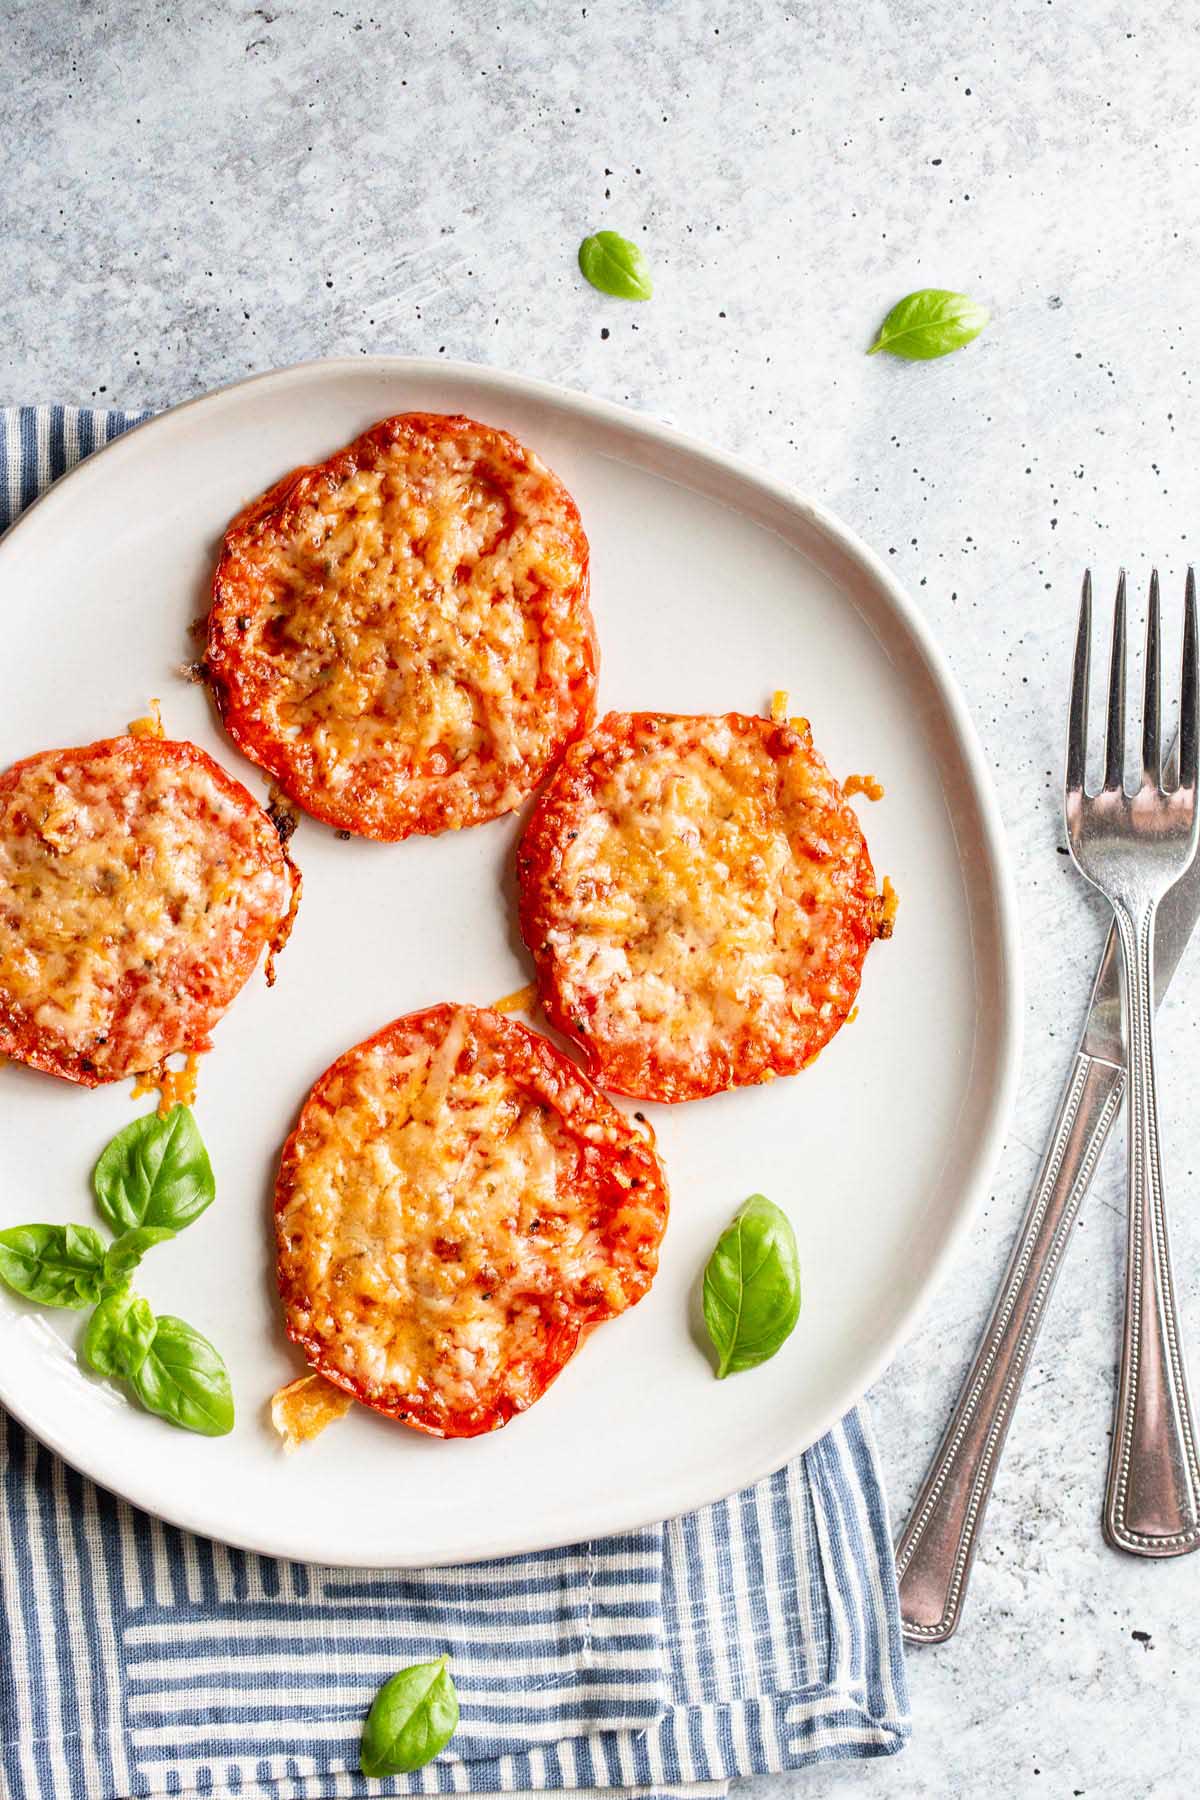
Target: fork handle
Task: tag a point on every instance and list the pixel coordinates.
(1152, 1505)
(935, 1551)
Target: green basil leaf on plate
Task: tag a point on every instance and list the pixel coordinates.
(752, 1287)
(412, 1717)
(118, 1336)
(123, 1257)
(615, 266)
(932, 322)
(56, 1265)
(182, 1378)
(155, 1172)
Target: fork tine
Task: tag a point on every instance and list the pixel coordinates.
(1189, 690)
(1114, 737)
(1077, 718)
(1151, 706)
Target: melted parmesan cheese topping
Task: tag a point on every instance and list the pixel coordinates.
(413, 623)
(701, 915)
(124, 882)
(440, 1227)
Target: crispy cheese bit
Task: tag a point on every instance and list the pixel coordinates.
(863, 784)
(175, 1087)
(523, 999)
(301, 1410)
(146, 1083)
(852, 1015)
(284, 931)
(179, 1085)
(889, 906)
(151, 725)
(283, 815)
(779, 706)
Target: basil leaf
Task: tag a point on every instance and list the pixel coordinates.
(182, 1378)
(752, 1287)
(155, 1172)
(56, 1265)
(932, 322)
(615, 266)
(412, 1717)
(119, 1334)
(123, 1257)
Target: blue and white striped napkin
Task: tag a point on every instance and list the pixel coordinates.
(762, 1633)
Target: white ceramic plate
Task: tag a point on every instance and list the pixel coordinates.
(712, 586)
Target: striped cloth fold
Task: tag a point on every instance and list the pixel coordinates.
(761, 1633)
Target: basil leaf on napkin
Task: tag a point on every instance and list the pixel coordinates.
(155, 1172)
(56, 1265)
(119, 1334)
(615, 266)
(932, 322)
(752, 1287)
(412, 1717)
(182, 1378)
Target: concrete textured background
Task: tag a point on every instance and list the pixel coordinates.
(196, 192)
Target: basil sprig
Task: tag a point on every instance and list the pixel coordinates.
(173, 1370)
(123, 1257)
(752, 1287)
(151, 1181)
(412, 1717)
(119, 1333)
(182, 1378)
(932, 322)
(615, 266)
(56, 1265)
(155, 1172)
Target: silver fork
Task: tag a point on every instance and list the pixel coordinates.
(1133, 847)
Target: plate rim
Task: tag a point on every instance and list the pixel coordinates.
(1007, 1040)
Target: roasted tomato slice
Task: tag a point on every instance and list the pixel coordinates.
(139, 885)
(698, 898)
(456, 1206)
(401, 635)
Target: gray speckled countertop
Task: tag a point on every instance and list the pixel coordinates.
(193, 192)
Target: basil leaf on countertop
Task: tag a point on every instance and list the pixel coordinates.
(119, 1334)
(752, 1287)
(182, 1378)
(615, 266)
(122, 1257)
(932, 322)
(412, 1717)
(155, 1172)
(56, 1265)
